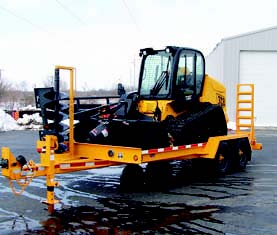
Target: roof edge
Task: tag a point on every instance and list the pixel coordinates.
(249, 33)
(240, 35)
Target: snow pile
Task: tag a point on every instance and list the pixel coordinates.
(33, 121)
(28, 107)
(7, 123)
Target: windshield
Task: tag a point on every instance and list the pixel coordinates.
(155, 79)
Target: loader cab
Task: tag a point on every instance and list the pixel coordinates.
(174, 73)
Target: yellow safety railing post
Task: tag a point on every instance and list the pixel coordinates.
(71, 105)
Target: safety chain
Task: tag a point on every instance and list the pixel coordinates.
(25, 179)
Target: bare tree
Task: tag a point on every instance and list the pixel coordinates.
(49, 82)
(5, 86)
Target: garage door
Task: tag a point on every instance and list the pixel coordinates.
(260, 68)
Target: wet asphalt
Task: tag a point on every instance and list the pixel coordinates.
(91, 202)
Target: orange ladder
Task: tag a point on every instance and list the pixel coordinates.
(245, 112)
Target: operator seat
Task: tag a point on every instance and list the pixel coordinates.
(184, 81)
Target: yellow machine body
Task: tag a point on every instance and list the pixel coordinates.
(214, 92)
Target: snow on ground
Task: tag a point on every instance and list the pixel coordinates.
(7, 122)
(30, 121)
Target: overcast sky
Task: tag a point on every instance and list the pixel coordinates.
(102, 38)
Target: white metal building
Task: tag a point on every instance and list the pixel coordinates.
(248, 58)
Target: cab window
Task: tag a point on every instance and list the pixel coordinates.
(190, 72)
(156, 74)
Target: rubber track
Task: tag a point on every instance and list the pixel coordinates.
(197, 125)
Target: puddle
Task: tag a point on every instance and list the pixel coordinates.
(132, 217)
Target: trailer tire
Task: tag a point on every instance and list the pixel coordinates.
(243, 154)
(132, 178)
(223, 158)
(158, 175)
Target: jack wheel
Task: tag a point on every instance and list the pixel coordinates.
(223, 158)
(132, 178)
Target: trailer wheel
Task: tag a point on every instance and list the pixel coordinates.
(158, 175)
(243, 154)
(223, 158)
(132, 178)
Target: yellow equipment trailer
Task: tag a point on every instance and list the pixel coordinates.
(60, 154)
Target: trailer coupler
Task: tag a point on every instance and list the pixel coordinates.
(17, 170)
(20, 174)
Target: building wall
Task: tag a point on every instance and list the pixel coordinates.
(215, 63)
(224, 61)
